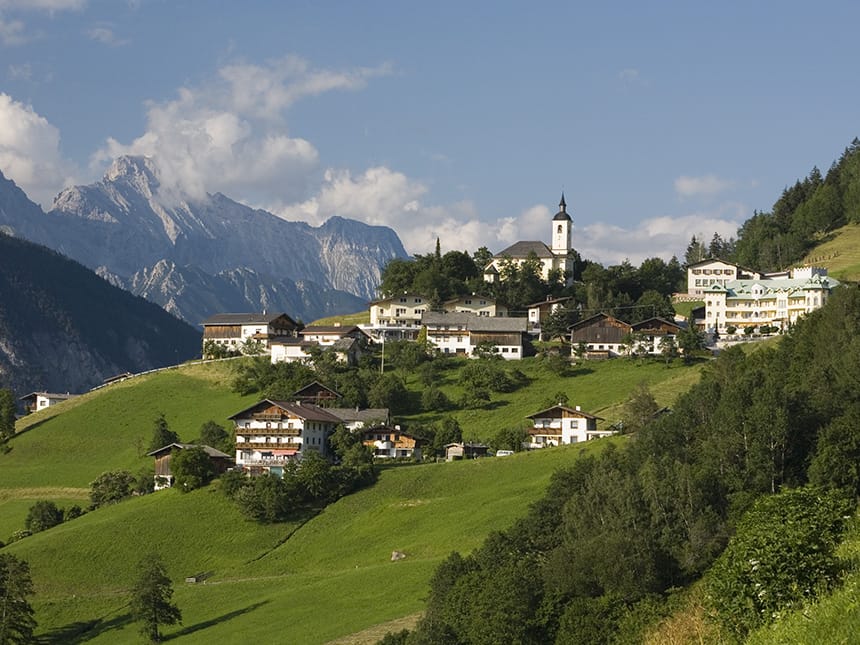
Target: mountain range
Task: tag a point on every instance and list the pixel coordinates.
(197, 257)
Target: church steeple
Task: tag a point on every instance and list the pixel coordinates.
(562, 205)
(562, 211)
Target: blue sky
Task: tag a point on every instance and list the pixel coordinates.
(458, 120)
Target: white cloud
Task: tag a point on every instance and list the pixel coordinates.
(12, 32)
(704, 186)
(229, 135)
(663, 236)
(106, 36)
(30, 151)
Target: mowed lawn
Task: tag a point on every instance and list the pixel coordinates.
(840, 253)
(263, 586)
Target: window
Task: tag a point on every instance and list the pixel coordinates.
(468, 302)
(417, 301)
(504, 350)
(515, 350)
(558, 230)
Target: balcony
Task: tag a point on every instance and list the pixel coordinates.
(258, 445)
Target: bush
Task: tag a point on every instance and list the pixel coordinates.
(434, 400)
(111, 487)
(784, 552)
(43, 515)
(191, 468)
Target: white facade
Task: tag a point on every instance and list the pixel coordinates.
(462, 332)
(560, 425)
(777, 302)
(714, 272)
(272, 433)
(475, 304)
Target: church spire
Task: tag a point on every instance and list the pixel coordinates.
(562, 205)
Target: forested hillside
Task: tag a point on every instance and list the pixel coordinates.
(63, 328)
(804, 216)
(593, 561)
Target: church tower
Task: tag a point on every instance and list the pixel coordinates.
(562, 227)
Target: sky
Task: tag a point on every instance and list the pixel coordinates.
(458, 120)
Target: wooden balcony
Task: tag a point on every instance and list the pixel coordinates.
(247, 445)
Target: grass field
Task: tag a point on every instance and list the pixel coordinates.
(275, 579)
(358, 318)
(840, 254)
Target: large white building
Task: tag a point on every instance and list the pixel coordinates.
(552, 258)
(774, 302)
(713, 271)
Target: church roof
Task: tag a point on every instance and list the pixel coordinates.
(521, 250)
(561, 215)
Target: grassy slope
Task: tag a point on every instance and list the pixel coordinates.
(339, 559)
(840, 254)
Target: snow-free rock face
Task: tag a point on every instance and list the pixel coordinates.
(200, 257)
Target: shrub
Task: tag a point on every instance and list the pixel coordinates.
(784, 552)
(43, 515)
(111, 487)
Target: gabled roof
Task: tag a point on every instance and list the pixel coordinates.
(247, 319)
(593, 319)
(49, 395)
(305, 411)
(521, 250)
(209, 450)
(563, 408)
(479, 296)
(311, 388)
(656, 320)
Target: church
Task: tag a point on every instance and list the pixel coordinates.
(557, 257)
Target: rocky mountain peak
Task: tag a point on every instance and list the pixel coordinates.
(138, 171)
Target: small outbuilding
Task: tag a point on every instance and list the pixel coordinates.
(164, 476)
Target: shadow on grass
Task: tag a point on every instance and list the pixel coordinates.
(82, 631)
(206, 624)
(580, 371)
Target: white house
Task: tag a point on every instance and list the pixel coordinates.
(36, 401)
(356, 419)
(552, 258)
(390, 443)
(561, 424)
(775, 302)
(271, 433)
(232, 330)
(477, 304)
(713, 271)
(397, 316)
(462, 332)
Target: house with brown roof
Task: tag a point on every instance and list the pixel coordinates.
(561, 424)
(164, 475)
(269, 434)
(317, 393)
(605, 336)
(233, 330)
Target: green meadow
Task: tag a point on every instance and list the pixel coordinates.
(315, 581)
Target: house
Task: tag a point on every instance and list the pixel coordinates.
(650, 335)
(232, 330)
(606, 337)
(356, 419)
(476, 304)
(36, 401)
(164, 476)
(397, 316)
(602, 335)
(462, 333)
(316, 393)
(269, 434)
(327, 335)
(287, 349)
(390, 443)
(290, 349)
(540, 311)
(773, 302)
(561, 425)
(713, 271)
(556, 258)
(454, 451)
